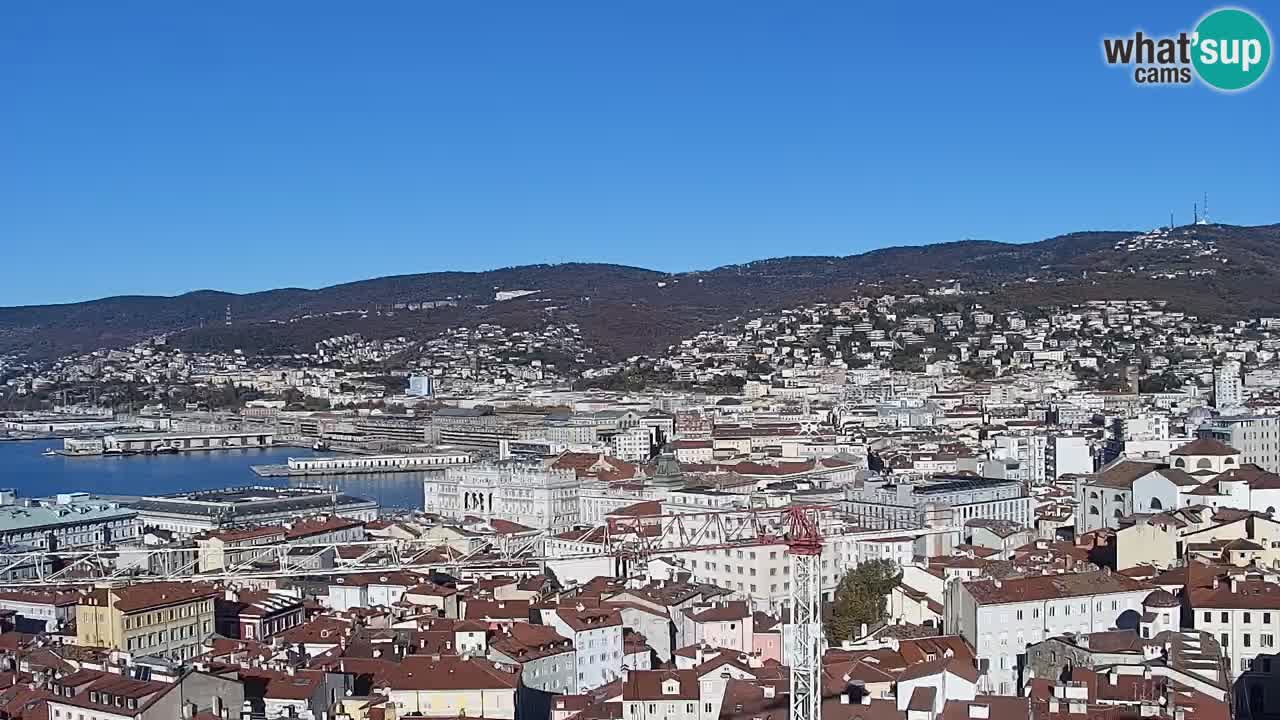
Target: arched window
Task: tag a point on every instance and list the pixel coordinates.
(1204, 464)
(1180, 463)
(1119, 498)
(1093, 495)
(1271, 510)
(1093, 510)
(1156, 504)
(1229, 461)
(1119, 513)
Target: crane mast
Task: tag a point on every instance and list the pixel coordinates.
(804, 542)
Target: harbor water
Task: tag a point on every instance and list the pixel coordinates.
(25, 468)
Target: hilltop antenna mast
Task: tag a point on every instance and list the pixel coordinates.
(1205, 216)
(1195, 214)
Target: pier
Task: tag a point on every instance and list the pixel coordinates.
(185, 442)
(362, 464)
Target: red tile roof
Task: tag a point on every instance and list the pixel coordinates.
(1045, 587)
(1205, 446)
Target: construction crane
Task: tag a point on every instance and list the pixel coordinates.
(625, 539)
(804, 540)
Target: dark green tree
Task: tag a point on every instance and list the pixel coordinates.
(861, 598)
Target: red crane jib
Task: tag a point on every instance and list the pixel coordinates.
(803, 535)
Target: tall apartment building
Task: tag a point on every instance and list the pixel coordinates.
(169, 620)
(634, 444)
(1257, 437)
(421, 386)
(1228, 386)
(1028, 450)
(524, 493)
(1067, 455)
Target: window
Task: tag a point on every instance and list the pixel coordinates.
(1225, 618)
(1245, 640)
(1247, 618)
(1208, 616)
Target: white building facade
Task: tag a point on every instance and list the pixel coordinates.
(523, 493)
(1001, 618)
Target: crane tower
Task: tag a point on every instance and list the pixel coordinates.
(804, 541)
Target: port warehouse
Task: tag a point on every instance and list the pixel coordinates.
(379, 462)
(81, 424)
(149, 442)
(340, 429)
(473, 428)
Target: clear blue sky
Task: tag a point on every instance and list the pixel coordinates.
(160, 147)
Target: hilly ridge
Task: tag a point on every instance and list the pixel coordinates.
(1218, 271)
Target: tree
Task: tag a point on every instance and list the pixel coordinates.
(861, 598)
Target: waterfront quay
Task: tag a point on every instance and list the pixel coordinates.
(362, 464)
(142, 443)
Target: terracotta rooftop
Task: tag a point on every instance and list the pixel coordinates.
(1046, 587)
(661, 685)
(1122, 474)
(1205, 446)
(145, 596)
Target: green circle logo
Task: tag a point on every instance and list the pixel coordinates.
(1232, 49)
